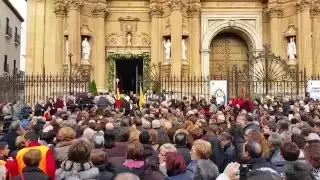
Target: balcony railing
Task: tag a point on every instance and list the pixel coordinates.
(17, 38)
(9, 31)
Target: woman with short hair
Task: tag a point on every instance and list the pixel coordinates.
(176, 167)
(78, 164)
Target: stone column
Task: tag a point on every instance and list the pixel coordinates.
(194, 12)
(304, 44)
(155, 13)
(60, 11)
(205, 65)
(315, 15)
(176, 37)
(99, 12)
(275, 14)
(74, 36)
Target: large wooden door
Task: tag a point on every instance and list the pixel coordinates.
(227, 50)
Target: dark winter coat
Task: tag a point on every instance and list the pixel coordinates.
(110, 170)
(31, 173)
(185, 152)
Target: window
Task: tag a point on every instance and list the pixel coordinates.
(16, 30)
(5, 64)
(8, 22)
(14, 67)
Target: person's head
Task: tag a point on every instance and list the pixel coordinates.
(66, 134)
(263, 174)
(201, 149)
(297, 170)
(31, 137)
(299, 140)
(4, 149)
(144, 137)
(252, 149)
(180, 139)
(135, 151)
(175, 163)
(15, 126)
(312, 153)
(109, 139)
(205, 170)
(32, 158)
(126, 176)
(123, 135)
(275, 140)
(164, 149)
(153, 136)
(98, 157)
(282, 126)
(79, 152)
(290, 151)
(138, 122)
(98, 141)
(224, 138)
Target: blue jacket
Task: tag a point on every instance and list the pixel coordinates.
(187, 175)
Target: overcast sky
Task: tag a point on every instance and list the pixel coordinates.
(21, 6)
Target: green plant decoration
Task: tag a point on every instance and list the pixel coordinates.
(93, 88)
(146, 67)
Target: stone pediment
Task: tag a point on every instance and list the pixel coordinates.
(128, 23)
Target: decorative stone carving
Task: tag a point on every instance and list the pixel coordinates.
(194, 8)
(176, 4)
(275, 12)
(303, 5)
(291, 49)
(129, 39)
(86, 49)
(167, 47)
(155, 9)
(315, 9)
(112, 39)
(291, 31)
(85, 31)
(129, 23)
(232, 23)
(100, 10)
(145, 39)
(75, 4)
(60, 8)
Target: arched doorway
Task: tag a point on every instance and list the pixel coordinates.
(227, 50)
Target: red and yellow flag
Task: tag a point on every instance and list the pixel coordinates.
(118, 102)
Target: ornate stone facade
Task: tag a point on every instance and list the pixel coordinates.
(140, 27)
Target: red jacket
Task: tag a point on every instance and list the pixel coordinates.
(51, 166)
(59, 104)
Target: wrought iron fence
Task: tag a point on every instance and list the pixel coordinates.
(31, 88)
(238, 85)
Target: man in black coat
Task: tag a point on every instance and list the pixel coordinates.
(181, 144)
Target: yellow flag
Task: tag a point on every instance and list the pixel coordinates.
(141, 97)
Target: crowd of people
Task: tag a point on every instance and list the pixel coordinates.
(93, 137)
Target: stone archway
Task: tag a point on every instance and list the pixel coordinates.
(241, 28)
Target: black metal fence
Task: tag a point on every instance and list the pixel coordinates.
(238, 85)
(31, 88)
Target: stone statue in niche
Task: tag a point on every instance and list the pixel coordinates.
(167, 47)
(184, 49)
(86, 48)
(291, 49)
(129, 39)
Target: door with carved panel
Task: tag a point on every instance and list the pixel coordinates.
(228, 50)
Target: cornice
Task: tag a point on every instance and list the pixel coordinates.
(303, 5)
(74, 4)
(100, 10)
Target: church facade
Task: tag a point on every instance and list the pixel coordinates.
(183, 37)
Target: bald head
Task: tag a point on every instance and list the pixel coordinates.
(253, 148)
(126, 176)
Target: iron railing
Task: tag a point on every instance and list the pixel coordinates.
(31, 88)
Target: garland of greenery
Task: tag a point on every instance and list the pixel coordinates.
(146, 67)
